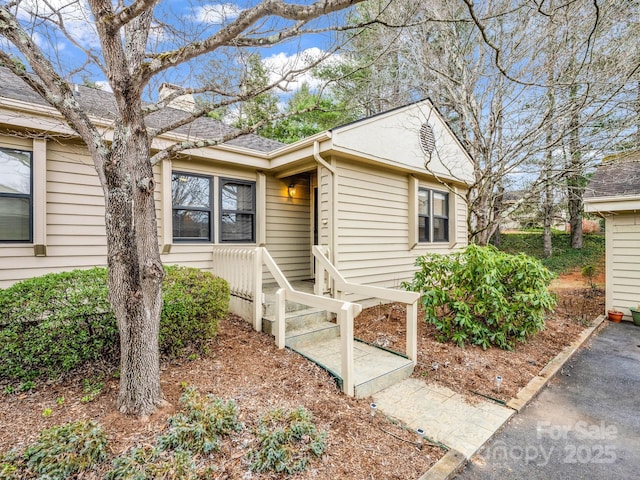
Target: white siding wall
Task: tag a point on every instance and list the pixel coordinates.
(289, 229)
(373, 225)
(623, 260)
(75, 233)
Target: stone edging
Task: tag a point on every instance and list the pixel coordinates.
(535, 385)
(447, 467)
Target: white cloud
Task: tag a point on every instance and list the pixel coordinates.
(77, 17)
(281, 64)
(216, 14)
(103, 85)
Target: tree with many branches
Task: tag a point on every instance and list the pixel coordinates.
(536, 91)
(132, 44)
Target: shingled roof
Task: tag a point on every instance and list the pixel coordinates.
(102, 104)
(616, 176)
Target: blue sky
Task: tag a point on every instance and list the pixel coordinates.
(198, 18)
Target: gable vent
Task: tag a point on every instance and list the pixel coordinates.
(427, 140)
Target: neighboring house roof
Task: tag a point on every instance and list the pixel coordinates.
(102, 104)
(617, 176)
(615, 186)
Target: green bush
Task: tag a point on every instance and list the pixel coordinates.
(53, 324)
(286, 442)
(66, 450)
(198, 428)
(193, 304)
(483, 296)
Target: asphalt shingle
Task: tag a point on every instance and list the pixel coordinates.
(102, 104)
(616, 176)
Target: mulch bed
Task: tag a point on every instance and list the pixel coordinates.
(247, 367)
(472, 370)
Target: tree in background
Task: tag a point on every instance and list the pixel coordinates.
(308, 113)
(486, 68)
(133, 44)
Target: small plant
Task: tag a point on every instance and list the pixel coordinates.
(287, 440)
(27, 386)
(9, 389)
(11, 465)
(60, 400)
(483, 296)
(91, 387)
(589, 273)
(47, 412)
(66, 450)
(199, 427)
(151, 463)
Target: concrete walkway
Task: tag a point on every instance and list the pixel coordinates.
(444, 415)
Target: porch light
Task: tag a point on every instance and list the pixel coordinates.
(292, 190)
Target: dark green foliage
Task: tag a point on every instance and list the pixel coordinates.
(286, 442)
(53, 324)
(198, 428)
(151, 463)
(483, 296)
(64, 451)
(193, 304)
(564, 257)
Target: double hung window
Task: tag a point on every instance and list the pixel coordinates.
(195, 212)
(433, 216)
(16, 196)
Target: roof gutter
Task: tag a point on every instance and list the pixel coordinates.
(319, 159)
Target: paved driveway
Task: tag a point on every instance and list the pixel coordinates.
(585, 424)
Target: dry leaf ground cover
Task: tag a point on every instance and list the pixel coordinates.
(246, 366)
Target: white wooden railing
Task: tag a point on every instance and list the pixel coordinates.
(242, 268)
(328, 276)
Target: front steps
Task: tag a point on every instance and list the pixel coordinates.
(309, 333)
(374, 369)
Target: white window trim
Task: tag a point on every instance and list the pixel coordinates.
(413, 190)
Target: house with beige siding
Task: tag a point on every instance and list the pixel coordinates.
(614, 194)
(350, 208)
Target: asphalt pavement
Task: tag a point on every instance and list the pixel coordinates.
(584, 425)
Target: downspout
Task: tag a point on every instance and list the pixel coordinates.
(334, 207)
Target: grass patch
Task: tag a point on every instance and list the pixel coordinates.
(564, 257)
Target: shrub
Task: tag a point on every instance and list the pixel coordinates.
(193, 304)
(150, 463)
(53, 324)
(483, 296)
(286, 441)
(198, 428)
(66, 450)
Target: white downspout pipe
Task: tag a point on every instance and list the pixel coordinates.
(334, 207)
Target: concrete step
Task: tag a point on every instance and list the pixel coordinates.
(312, 334)
(374, 369)
(295, 320)
(269, 305)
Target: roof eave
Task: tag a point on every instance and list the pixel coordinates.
(612, 203)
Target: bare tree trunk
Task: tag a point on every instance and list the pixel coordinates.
(135, 270)
(638, 115)
(575, 178)
(547, 199)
